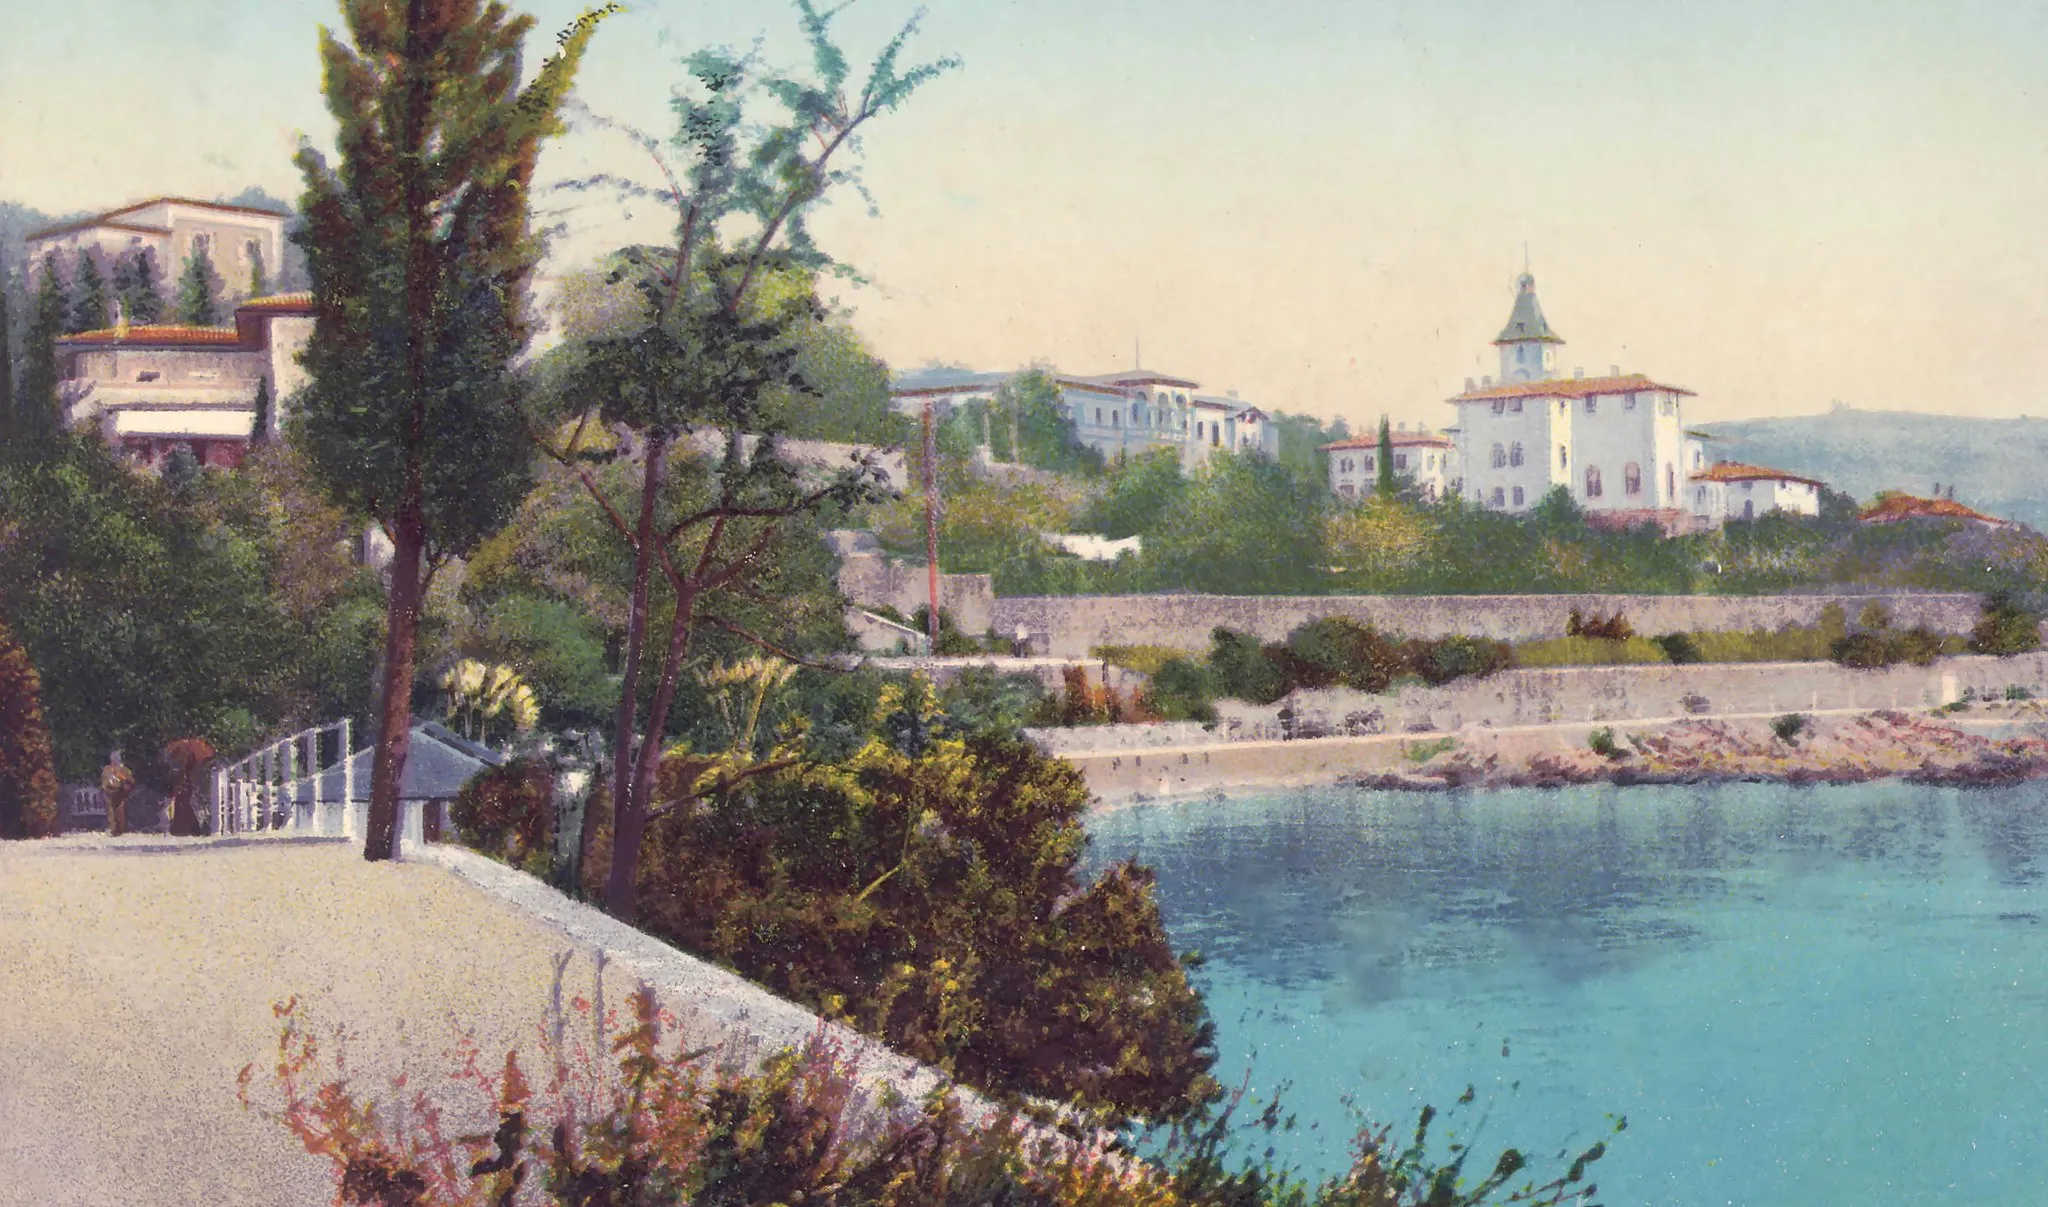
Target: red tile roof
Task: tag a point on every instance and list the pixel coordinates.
(1735, 471)
(1575, 387)
(1400, 439)
(287, 302)
(1893, 506)
(165, 336)
(94, 223)
(107, 218)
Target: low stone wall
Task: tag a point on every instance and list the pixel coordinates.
(1071, 625)
(872, 581)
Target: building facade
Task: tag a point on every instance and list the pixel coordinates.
(1117, 414)
(238, 240)
(154, 389)
(1424, 459)
(1745, 492)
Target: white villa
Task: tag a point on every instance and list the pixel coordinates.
(1128, 412)
(237, 238)
(152, 389)
(1618, 443)
(1424, 458)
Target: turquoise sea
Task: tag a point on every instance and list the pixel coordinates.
(1797, 996)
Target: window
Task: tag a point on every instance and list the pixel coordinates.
(1216, 435)
(1348, 491)
(1699, 495)
(1344, 466)
(1370, 462)
(1631, 479)
(1500, 457)
(1500, 406)
(1499, 497)
(1521, 354)
(1698, 458)
(1564, 457)
(1515, 453)
(1116, 418)
(1592, 404)
(1629, 403)
(1670, 405)
(1429, 462)
(1098, 415)
(1593, 488)
(1515, 405)
(1670, 481)
(1563, 406)
(1519, 496)
(1400, 460)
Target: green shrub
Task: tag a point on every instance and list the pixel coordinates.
(1422, 752)
(1602, 743)
(1865, 651)
(1598, 627)
(1765, 645)
(1144, 659)
(1334, 651)
(1789, 727)
(1182, 691)
(982, 700)
(952, 643)
(1447, 658)
(1242, 668)
(2018, 691)
(1679, 648)
(2005, 627)
(1587, 651)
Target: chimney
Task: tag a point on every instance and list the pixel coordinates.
(1230, 393)
(1614, 370)
(1578, 373)
(1485, 383)
(1469, 387)
(1401, 426)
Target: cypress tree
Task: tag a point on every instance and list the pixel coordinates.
(259, 283)
(135, 286)
(420, 250)
(36, 409)
(199, 291)
(1387, 483)
(259, 428)
(88, 295)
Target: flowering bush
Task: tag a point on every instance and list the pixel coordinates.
(508, 813)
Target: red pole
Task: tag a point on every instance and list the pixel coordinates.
(931, 527)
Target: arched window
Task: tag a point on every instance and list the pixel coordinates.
(1348, 491)
(1519, 496)
(1632, 479)
(1500, 457)
(1344, 466)
(1564, 457)
(1670, 480)
(1515, 453)
(1593, 490)
(1499, 497)
(1370, 461)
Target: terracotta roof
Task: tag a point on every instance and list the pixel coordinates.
(1401, 440)
(107, 218)
(166, 336)
(302, 302)
(1893, 506)
(1575, 387)
(1133, 377)
(1735, 471)
(91, 224)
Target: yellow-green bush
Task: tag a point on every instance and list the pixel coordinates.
(1144, 659)
(1761, 645)
(1587, 651)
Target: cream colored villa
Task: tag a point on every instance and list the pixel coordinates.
(238, 239)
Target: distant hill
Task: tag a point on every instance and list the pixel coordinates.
(1998, 466)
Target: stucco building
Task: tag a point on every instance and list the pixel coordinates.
(1426, 460)
(237, 239)
(1730, 490)
(152, 389)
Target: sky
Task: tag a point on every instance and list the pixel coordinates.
(1321, 204)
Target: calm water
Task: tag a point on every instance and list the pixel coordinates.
(1798, 996)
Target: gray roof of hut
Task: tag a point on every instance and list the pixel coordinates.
(438, 764)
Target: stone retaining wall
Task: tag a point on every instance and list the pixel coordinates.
(1071, 625)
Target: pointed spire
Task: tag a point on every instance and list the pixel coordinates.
(1526, 324)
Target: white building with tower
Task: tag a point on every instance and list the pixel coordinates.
(1617, 442)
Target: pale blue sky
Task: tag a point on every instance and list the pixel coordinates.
(1323, 206)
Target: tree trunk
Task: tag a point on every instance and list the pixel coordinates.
(628, 819)
(394, 738)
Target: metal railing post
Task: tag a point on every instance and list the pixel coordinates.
(348, 778)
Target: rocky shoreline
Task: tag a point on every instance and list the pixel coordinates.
(1884, 744)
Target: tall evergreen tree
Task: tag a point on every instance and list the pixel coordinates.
(199, 291)
(88, 294)
(259, 279)
(36, 407)
(1387, 484)
(135, 285)
(261, 425)
(420, 253)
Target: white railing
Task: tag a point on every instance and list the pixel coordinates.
(283, 787)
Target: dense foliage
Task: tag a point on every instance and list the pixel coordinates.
(927, 890)
(28, 777)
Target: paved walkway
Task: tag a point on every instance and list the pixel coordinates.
(135, 986)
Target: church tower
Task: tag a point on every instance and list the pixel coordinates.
(1528, 347)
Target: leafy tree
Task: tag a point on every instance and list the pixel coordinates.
(1040, 432)
(1298, 438)
(135, 287)
(199, 290)
(89, 294)
(7, 416)
(28, 777)
(845, 390)
(2006, 627)
(1387, 485)
(703, 345)
(420, 254)
(1246, 525)
(1140, 494)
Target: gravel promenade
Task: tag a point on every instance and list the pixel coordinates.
(137, 983)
